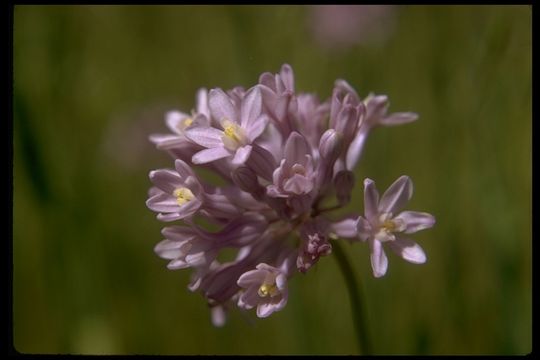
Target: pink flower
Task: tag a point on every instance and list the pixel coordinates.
(264, 288)
(238, 128)
(384, 223)
(282, 162)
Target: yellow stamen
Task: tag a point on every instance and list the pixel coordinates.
(187, 122)
(183, 195)
(231, 130)
(233, 135)
(389, 225)
(268, 289)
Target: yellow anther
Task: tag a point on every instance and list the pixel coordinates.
(183, 195)
(389, 225)
(230, 130)
(233, 135)
(187, 122)
(268, 289)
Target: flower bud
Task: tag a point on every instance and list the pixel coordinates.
(246, 179)
(344, 183)
(330, 145)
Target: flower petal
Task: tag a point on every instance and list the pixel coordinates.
(208, 137)
(221, 106)
(408, 250)
(396, 196)
(183, 169)
(251, 277)
(173, 120)
(219, 315)
(398, 118)
(371, 199)
(379, 261)
(202, 103)
(241, 155)
(209, 155)
(268, 80)
(356, 147)
(265, 309)
(249, 298)
(162, 203)
(287, 76)
(298, 184)
(416, 221)
(166, 180)
(256, 128)
(296, 148)
(168, 216)
(346, 228)
(168, 249)
(189, 208)
(364, 228)
(251, 107)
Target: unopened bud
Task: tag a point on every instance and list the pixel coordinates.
(330, 145)
(344, 183)
(246, 179)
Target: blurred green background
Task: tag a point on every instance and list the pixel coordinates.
(90, 84)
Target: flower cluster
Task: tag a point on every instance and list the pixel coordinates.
(282, 162)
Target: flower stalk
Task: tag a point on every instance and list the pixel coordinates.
(354, 288)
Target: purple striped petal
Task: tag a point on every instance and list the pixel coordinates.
(257, 127)
(356, 147)
(209, 155)
(397, 195)
(265, 309)
(416, 221)
(287, 76)
(169, 217)
(173, 120)
(268, 80)
(168, 249)
(371, 199)
(166, 180)
(296, 148)
(202, 103)
(364, 228)
(183, 169)
(208, 137)
(346, 228)
(379, 261)
(221, 106)
(251, 107)
(398, 118)
(241, 155)
(162, 203)
(252, 277)
(408, 250)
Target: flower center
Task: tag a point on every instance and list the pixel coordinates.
(233, 135)
(183, 195)
(187, 122)
(389, 226)
(298, 169)
(268, 289)
(184, 123)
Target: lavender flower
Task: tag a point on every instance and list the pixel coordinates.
(383, 224)
(240, 127)
(265, 288)
(281, 156)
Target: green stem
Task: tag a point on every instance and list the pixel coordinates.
(354, 288)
